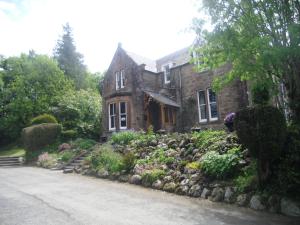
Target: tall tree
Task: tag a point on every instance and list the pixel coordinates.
(69, 60)
(260, 38)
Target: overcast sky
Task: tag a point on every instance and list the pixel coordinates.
(151, 28)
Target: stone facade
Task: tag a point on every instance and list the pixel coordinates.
(167, 99)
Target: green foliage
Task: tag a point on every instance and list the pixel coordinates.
(38, 136)
(84, 143)
(209, 140)
(66, 156)
(260, 47)
(260, 94)
(262, 130)
(70, 61)
(220, 166)
(106, 158)
(46, 160)
(129, 160)
(124, 138)
(158, 156)
(69, 134)
(32, 85)
(44, 118)
(80, 111)
(248, 179)
(150, 176)
(193, 165)
(12, 150)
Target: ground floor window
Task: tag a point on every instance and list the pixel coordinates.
(112, 116)
(168, 114)
(123, 115)
(207, 105)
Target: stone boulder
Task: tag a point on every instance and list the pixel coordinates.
(169, 187)
(182, 190)
(242, 200)
(229, 195)
(158, 184)
(63, 147)
(256, 203)
(195, 190)
(274, 204)
(102, 173)
(135, 179)
(205, 193)
(123, 178)
(217, 195)
(290, 207)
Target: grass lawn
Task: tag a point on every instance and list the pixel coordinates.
(12, 150)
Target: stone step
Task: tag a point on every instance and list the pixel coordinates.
(68, 170)
(9, 158)
(10, 164)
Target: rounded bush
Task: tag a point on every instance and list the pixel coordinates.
(44, 118)
(69, 134)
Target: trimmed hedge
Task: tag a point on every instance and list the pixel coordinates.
(44, 118)
(38, 136)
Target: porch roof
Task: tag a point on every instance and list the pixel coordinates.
(162, 99)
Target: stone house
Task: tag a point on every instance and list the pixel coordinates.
(167, 93)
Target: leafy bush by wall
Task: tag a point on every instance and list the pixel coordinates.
(38, 136)
(44, 118)
(124, 138)
(262, 130)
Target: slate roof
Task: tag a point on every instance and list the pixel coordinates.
(162, 99)
(177, 58)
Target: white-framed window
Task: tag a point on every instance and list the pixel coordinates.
(120, 79)
(123, 115)
(212, 105)
(167, 72)
(202, 108)
(112, 116)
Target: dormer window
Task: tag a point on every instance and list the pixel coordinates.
(120, 79)
(167, 72)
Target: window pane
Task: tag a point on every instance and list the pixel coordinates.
(111, 109)
(214, 110)
(123, 121)
(212, 96)
(112, 122)
(166, 115)
(122, 107)
(122, 79)
(171, 115)
(203, 112)
(202, 98)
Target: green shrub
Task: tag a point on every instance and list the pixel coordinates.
(106, 158)
(193, 165)
(158, 156)
(123, 138)
(209, 140)
(44, 118)
(46, 161)
(151, 176)
(129, 161)
(66, 156)
(247, 181)
(262, 130)
(69, 134)
(39, 136)
(84, 143)
(219, 166)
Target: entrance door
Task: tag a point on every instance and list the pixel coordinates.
(154, 115)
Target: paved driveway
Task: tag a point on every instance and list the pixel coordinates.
(40, 197)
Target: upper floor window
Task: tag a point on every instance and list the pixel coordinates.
(207, 105)
(123, 115)
(120, 79)
(167, 73)
(112, 116)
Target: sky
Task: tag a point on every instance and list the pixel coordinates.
(151, 28)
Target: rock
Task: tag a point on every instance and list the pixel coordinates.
(158, 184)
(195, 151)
(102, 173)
(229, 195)
(289, 207)
(195, 190)
(168, 179)
(123, 178)
(153, 143)
(169, 187)
(195, 177)
(217, 195)
(64, 146)
(68, 170)
(182, 190)
(205, 193)
(171, 153)
(256, 203)
(242, 200)
(184, 182)
(274, 203)
(171, 142)
(182, 143)
(135, 179)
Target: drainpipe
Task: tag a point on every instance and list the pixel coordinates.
(180, 92)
